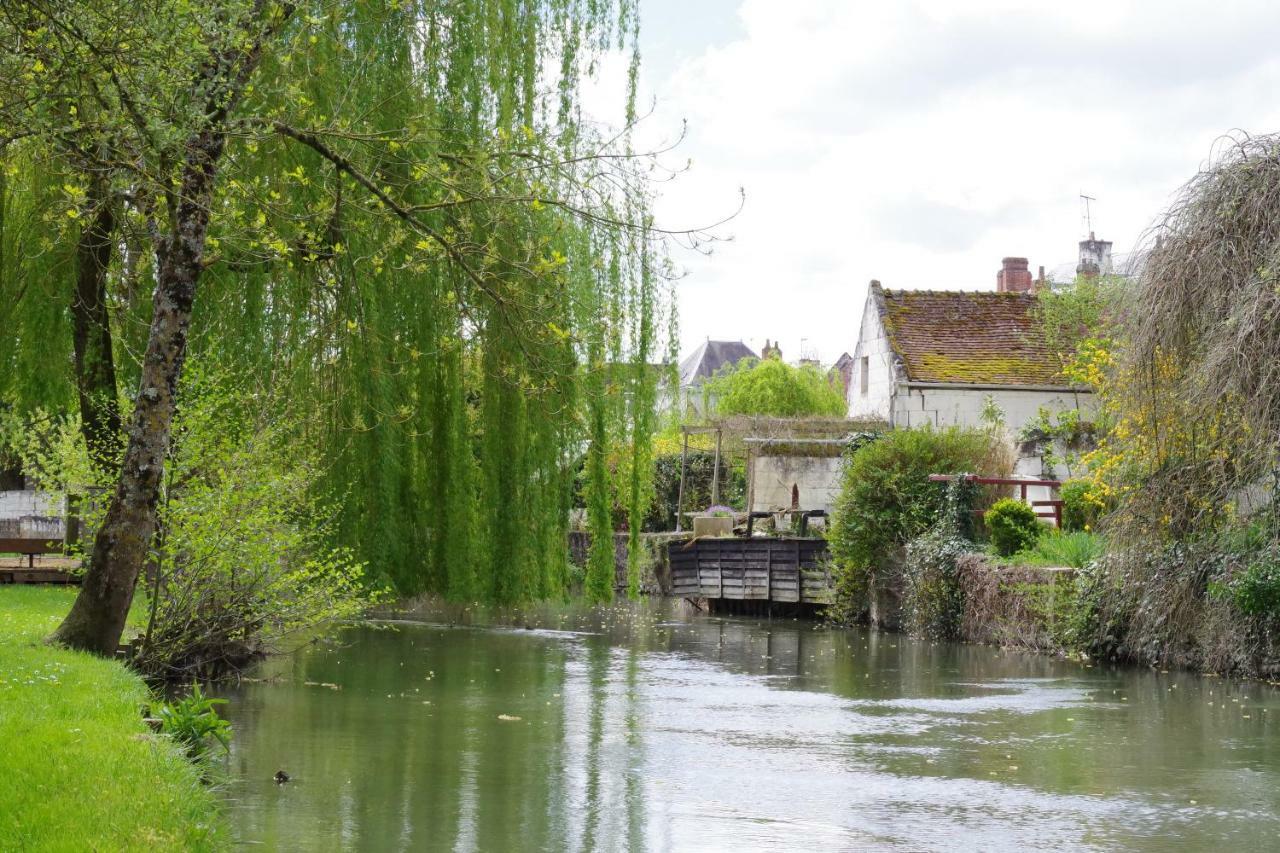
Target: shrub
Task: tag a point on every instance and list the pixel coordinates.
(1013, 526)
(241, 562)
(697, 486)
(886, 498)
(1079, 511)
(932, 596)
(933, 601)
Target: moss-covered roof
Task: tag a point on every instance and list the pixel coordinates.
(982, 338)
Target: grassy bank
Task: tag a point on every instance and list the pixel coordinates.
(78, 769)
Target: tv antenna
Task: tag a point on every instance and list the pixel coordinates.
(1088, 213)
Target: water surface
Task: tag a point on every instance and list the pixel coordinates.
(647, 727)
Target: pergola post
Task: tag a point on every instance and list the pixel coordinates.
(684, 460)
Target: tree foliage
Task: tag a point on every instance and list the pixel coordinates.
(774, 388)
(410, 229)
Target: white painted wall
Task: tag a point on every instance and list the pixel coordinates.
(915, 405)
(873, 346)
(817, 477)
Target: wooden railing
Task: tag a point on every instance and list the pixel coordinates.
(1051, 508)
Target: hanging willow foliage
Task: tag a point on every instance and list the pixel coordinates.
(419, 234)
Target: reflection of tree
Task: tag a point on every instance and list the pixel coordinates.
(377, 767)
(635, 755)
(597, 687)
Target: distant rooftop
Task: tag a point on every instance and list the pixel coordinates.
(709, 357)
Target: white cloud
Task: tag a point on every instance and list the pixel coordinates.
(920, 142)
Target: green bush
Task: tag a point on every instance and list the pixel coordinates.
(1256, 590)
(1013, 526)
(241, 564)
(697, 486)
(886, 499)
(1078, 512)
(933, 601)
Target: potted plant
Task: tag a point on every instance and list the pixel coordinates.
(715, 521)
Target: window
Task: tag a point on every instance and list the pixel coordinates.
(862, 373)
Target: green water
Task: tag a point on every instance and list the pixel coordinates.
(649, 728)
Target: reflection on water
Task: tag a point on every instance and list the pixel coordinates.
(646, 728)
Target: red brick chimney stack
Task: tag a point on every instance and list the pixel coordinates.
(1014, 277)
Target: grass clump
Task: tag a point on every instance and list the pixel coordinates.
(79, 769)
(1075, 549)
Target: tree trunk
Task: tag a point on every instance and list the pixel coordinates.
(91, 332)
(121, 546)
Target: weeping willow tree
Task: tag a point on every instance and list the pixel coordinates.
(397, 212)
(1189, 460)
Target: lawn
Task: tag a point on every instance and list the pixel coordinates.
(78, 768)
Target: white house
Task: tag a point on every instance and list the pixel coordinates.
(935, 357)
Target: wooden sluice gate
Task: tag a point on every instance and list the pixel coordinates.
(751, 574)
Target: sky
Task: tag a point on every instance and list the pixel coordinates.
(918, 142)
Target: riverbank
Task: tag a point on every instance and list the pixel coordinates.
(79, 769)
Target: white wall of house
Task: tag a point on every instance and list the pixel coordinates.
(916, 405)
(871, 386)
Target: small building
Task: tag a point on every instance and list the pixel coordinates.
(937, 356)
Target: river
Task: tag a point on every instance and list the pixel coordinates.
(653, 727)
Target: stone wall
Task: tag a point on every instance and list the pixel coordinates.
(873, 369)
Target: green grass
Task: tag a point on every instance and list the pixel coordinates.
(78, 768)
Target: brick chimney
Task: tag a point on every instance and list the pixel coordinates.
(1014, 277)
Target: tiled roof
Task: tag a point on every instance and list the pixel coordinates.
(982, 338)
(709, 357)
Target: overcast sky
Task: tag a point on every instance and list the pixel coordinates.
(919, 141)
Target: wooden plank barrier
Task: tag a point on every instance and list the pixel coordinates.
(751, 569)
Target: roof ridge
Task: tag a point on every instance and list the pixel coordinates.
(932, 292)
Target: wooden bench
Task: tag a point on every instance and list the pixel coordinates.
(31, 573)
(30, 547)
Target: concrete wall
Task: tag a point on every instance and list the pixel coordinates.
(879, 369)
(31, 515)
(817, 478)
